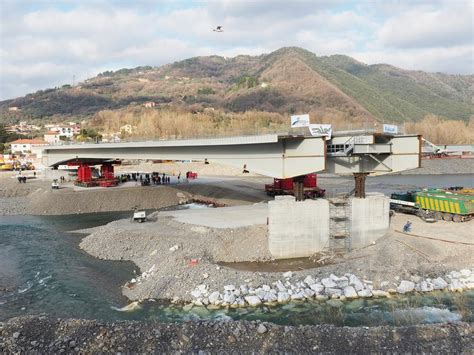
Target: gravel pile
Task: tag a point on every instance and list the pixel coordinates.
(46, 335)
(173, 257)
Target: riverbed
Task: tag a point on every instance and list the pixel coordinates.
(43, 271)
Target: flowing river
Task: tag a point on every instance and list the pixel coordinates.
(43, 271)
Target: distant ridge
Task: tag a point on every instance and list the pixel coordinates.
(288, 80)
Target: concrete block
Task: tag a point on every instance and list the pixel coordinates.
(369, 219)
(297, 229)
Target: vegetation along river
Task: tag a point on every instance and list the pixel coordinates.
(42, 270)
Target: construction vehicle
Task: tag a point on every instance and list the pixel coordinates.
(55, 184)
(452, 204)
(286, 187)
(6, 167)
(138, 215)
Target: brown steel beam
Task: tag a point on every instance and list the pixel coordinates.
(360, 184)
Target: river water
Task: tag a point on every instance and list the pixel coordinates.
(43, 271)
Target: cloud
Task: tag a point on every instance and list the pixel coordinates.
(442, 60)
(450, 25)
(43, 43)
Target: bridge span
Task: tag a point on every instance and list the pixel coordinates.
(275, 155)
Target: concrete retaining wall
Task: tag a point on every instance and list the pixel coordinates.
(369, 218)
(297, 229)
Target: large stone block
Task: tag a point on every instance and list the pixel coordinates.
(297, 229)
(369, 219)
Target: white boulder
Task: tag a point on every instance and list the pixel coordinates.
(283, 297)
(328, 283)
(365, 293)
(350, 292)
(354, 281)
(309, 280)
(213, 297)
(297, 296)
(318, 288)
(196, 293)
(425, 286)
(253, 301)
(333, 291)
(229, 297)
(405, 286)
(456, 285)
(439, 283)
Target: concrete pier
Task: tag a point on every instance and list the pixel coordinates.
(297, 229)
(369, 218)
(302, 228)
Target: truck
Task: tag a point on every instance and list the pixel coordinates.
(452, 204)
(285, 187)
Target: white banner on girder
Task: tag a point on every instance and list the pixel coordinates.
(320, 130)
(390, 128)
(300, 121)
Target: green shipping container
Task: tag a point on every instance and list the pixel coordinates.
(459, 202)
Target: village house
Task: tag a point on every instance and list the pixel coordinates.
(66, 131)
(52, 137)
(26, 146)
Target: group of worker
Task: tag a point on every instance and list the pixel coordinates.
(22, 179)
(155, 178)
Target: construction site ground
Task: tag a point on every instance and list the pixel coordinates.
(201, 235)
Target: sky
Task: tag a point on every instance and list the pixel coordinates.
(47, 43)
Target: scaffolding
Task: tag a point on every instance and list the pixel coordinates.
(340, 224)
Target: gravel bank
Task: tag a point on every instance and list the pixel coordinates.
(148, 246)
(47, 335)
(36, 197)
(164, 250)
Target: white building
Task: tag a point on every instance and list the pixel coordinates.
(52, 137)
(66, 131)
(27, 145)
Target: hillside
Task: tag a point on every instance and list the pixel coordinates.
(286, 81)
